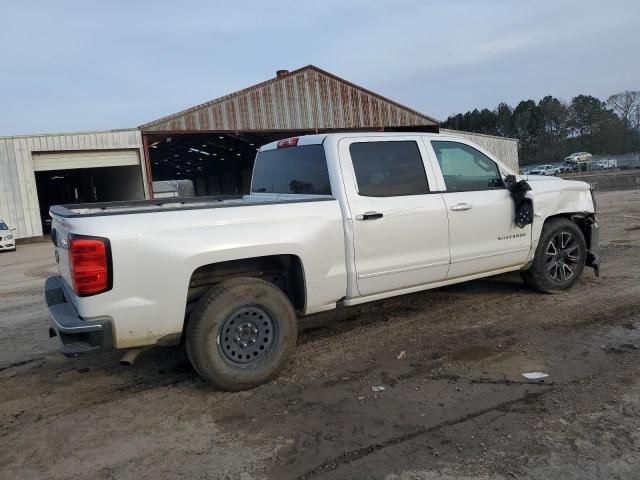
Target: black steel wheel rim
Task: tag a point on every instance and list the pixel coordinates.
(562, 256)
(247, 336)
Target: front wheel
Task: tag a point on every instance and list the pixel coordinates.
(241, 333)
(559, 258)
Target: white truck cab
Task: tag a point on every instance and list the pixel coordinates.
(331, 220)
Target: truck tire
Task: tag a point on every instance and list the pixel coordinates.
(559, 259)
(241, 333)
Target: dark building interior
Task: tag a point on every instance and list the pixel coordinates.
(216, 163)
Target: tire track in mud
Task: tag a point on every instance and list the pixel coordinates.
(10, 309)
(350, 456)
(357, 454)
(620, 309)
(98, 397)
(21, 363)
(27, 292)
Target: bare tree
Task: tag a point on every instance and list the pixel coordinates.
(626, 105)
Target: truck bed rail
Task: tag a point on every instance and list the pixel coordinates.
(78, 210)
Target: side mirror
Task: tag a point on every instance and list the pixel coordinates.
(13, 229)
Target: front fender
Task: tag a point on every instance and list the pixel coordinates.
(557, 197)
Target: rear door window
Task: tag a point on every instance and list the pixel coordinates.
(292, 170)
(388, 169)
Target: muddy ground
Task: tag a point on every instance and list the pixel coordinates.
(455, 404)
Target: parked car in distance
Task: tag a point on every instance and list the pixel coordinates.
(7, 237)
(332, 220)
(544, 170)
(560, 168)
(567, 168)
(606, 164)
(580, 160)
(570, 167)
(578, 157)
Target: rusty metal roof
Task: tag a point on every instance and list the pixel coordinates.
(305, 99)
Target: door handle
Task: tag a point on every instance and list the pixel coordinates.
(461, 206)
(369, 216)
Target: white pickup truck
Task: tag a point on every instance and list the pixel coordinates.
(332, 220)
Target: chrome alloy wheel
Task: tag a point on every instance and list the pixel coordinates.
(562, 255)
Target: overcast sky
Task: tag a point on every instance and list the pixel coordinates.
(86, 65)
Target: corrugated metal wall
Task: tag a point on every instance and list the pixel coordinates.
(505, 149)
(306, 99)
(18, 194)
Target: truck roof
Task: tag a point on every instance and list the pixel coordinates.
(319, 138)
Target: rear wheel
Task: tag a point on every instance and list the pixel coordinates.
(559, 259)
(241, 333)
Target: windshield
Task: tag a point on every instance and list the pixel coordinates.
(292, 170)
(3, 226)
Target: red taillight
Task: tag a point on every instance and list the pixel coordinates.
(89, 260)
(288, 142)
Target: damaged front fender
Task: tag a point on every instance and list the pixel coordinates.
(553, 197)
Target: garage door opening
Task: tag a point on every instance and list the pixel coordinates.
(216, 163)
(83, 185)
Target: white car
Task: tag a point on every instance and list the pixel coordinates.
(561, 168)
(544, 170)
(606, 164)
(579, 157)
(7, 239)
(332, 220)
(580, 160)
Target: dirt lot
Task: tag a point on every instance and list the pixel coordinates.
(455, 405)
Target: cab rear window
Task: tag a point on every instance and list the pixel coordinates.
(293, 170)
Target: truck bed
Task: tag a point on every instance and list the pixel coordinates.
(78, 210)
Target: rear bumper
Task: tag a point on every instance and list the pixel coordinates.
(78, 335)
